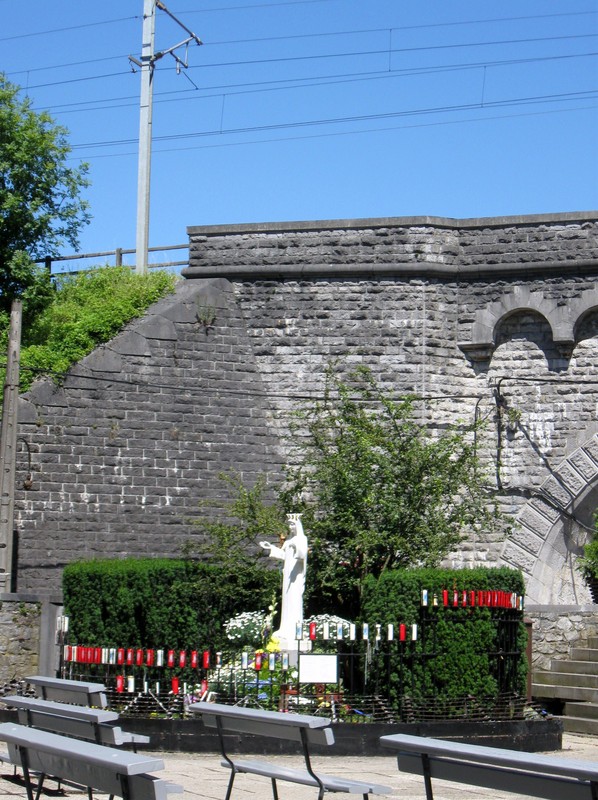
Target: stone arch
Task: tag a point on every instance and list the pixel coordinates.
(552, 528)
(488, 320)
(583, 310)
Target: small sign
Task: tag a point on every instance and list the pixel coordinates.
(318, 669)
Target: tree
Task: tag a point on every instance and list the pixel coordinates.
(40, 204)
(378, 489)
(235, 524)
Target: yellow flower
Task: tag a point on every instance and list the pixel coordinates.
(273, 645)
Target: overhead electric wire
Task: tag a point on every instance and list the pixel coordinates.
(534, 99)
(285, 84)
(418, 27)
(270, 140)
(392, 50)
(345, 54)
(69, 28)
(287, 37)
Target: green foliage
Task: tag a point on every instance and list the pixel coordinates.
(588, 563)
(459, 649)
(40, 204)
(235, 524)
(159, 602)
(383, 491)
(86, 310)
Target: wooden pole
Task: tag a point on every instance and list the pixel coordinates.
(8, 448)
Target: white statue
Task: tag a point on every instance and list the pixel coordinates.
(293, 553)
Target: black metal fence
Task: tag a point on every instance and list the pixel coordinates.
(395, 673)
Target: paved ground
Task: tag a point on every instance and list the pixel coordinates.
(203, 777)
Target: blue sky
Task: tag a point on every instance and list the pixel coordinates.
(319, 109)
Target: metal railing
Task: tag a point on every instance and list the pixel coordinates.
(116, 256)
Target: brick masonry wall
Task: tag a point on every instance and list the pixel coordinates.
(450, 310)
(124, 451)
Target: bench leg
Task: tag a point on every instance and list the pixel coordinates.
(40, 785)
(230, 784)
(427, 777)
(274, 789)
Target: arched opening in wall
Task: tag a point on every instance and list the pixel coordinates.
(584, 360)
(587, 326)
(556, 577)
(528, 335)
(585, 354)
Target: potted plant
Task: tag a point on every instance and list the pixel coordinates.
(588, 566)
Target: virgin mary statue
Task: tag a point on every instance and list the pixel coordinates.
(293, 554)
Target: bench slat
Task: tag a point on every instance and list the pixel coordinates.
(273, 724)
(81, 692)
(283, 773)
(70, 720)
(98, 715)
(85, 763)
(294, 727)
(121, 761)
(530, 762)
(549, 787)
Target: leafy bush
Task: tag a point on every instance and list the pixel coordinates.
(378, 489)
(86, 311)
(156, 603)
(460, 651)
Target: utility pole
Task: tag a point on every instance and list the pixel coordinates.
(147, 66)
(8, 447)
(145, 134)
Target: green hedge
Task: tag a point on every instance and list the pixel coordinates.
(154, 603)
(460, 651)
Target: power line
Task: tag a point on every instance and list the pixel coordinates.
(310, 58)
(263, 39)
(562, 97)
(426, 25)
(345, 133)
(285, 84)
(64, 30)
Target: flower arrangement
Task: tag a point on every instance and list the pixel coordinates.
(329, 623)
(249, 629)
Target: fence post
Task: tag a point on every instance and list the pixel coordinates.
(48, 263)
(118, 256)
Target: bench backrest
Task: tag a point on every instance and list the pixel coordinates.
(102, 768)
(550, 777)
(67, 691)
(273, 724)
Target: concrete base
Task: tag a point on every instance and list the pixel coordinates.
(191, 736)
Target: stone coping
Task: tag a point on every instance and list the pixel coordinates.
(385, 222)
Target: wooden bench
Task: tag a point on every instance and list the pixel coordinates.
(81, 722)
(105, 769)
(550, 777)
(301, 728)
(66, 691)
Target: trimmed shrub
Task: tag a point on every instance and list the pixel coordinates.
(154, 603)
(461, 651)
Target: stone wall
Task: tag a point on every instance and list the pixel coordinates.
(19, 639)
(494, 318)
(556, 629)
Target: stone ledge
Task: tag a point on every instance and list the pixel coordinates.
(391, 222)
